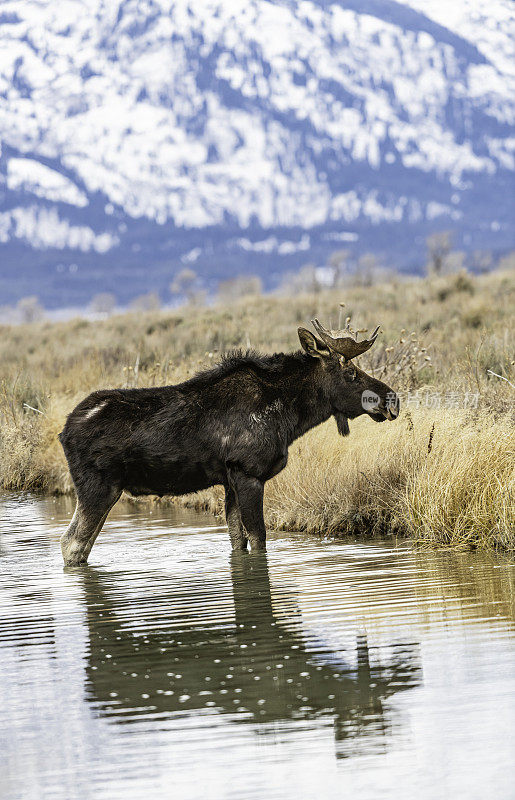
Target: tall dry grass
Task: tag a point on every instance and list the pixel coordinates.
(443, 334)
(443, 478)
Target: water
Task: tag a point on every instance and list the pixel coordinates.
(167, 668)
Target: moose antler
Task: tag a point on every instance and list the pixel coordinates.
(346, 346)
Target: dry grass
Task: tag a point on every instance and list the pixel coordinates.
(389, 478)
(444, 334)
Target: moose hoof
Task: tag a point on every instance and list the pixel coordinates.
(257, 544)
(73, 553)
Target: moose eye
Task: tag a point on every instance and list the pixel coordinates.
(348, 368)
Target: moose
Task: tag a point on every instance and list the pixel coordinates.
(230, 425)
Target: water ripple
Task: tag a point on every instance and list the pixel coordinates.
(324, 668)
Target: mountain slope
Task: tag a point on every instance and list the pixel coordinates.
(141, 135)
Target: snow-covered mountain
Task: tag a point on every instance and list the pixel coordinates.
(245, 135)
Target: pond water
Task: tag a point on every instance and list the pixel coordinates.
(169, 668)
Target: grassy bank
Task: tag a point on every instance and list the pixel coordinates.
(441, 474)
(443, 480)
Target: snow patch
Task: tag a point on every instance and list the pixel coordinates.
(30, 175)
(273, 245)
(44, 228)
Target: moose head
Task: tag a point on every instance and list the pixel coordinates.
(351, 391)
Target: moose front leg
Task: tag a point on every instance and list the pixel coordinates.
(249, 495)
(233, 518)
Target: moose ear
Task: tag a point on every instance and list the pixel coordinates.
(313, 346)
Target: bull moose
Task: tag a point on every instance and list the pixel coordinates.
(230, 425)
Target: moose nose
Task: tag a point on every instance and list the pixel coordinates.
(393, 407)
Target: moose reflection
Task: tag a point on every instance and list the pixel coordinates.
(253, 668)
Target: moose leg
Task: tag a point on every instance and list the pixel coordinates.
(85, 526)
(234, 524)
(249, 493)
(115, 497)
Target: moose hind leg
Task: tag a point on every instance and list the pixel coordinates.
(234, 524)
(85, 526)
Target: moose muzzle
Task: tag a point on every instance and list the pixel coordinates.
(373, 405)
